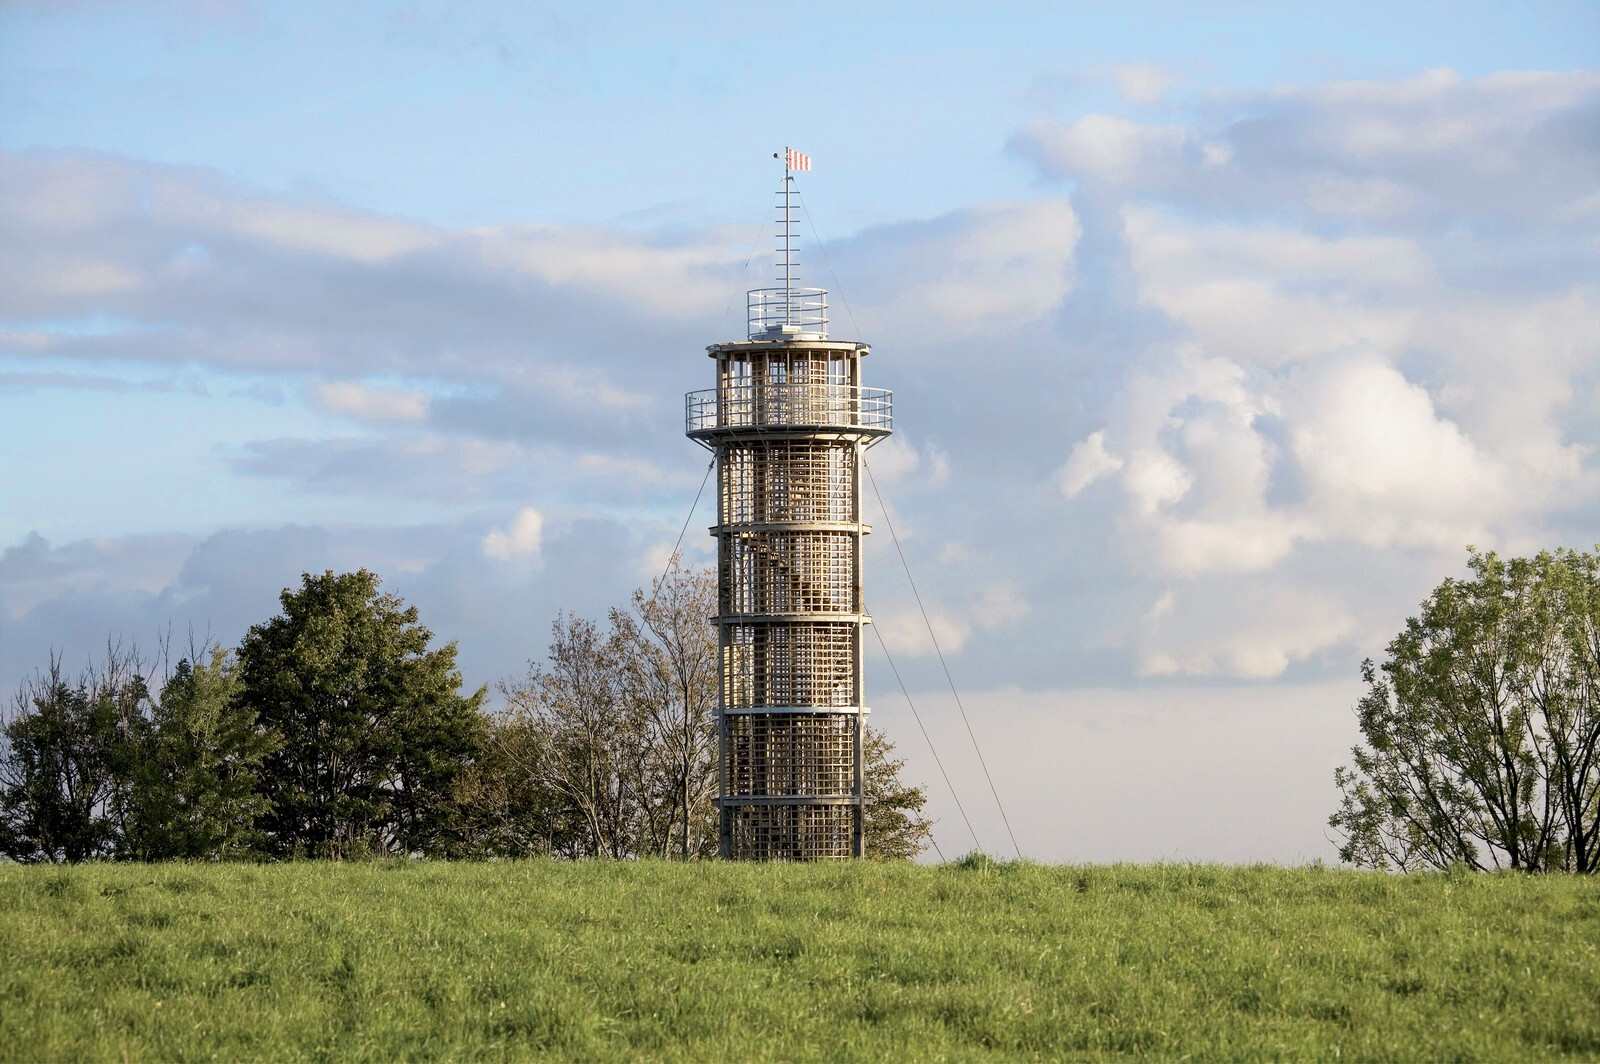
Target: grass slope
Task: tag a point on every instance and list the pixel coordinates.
(864, 961)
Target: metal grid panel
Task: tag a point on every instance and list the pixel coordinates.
(788, 387)
(798, 480)
(791, 832)
(787, 572)
(788, 365)
(789, 664)
(790, 754)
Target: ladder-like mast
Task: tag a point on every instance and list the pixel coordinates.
(788, 238)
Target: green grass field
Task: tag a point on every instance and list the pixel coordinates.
(391, 960)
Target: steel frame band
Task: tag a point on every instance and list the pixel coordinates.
(748, 710)
(735, 801)
(851, 527)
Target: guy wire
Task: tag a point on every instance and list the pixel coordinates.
(936, 649)
(931, 749)
(837, 287)
(672, 558)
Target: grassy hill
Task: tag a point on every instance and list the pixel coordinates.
(391, 960)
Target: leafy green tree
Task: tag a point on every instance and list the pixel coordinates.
(195, 786)
(372, 732)
(70, 747)
(1482, 727)
(894, 825)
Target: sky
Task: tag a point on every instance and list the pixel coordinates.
(1217, 334)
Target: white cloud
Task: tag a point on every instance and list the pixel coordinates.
(906, 632)
(1272, 626)
(905, 627)
(993, 267)
(897, 460)
(1000, 604)
(1381, 321)
(1382, 467)
(333, 231)
(1142, 82)
(1315, 341)
(587, 387)
(1107, 149)
(369, 403)
(1088, 462)
(522, 539)
(1153, 478)
(1273, 296)
(678, 279)
(1451, 148)
(1374, 462)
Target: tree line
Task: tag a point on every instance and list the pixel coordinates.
(337, 729)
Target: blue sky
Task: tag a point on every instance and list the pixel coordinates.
(1217, 333)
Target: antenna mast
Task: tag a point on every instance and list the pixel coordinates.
(792, 161)
(788, 245)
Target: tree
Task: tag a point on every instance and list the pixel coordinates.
(894, 825)
(586, 739)
(1482, 727)
(69, 752)
(195, 787)
(504, 811)
(371, 731)
(612, 742)
(669, 679)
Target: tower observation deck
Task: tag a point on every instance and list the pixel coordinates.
(789, 421)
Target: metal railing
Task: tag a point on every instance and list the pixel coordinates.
(789, 404)
(788, 312)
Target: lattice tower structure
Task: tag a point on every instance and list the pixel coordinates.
(789, 422)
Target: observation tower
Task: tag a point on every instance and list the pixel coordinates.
(789, 422)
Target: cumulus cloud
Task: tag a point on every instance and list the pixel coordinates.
(521, 539)
(1381, 466)
(1088, 462)
(1105, 149)
(1355, 363)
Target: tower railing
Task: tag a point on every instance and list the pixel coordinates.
(768, 404)
(788, 313)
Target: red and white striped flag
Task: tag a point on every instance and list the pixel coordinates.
(795, 161)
